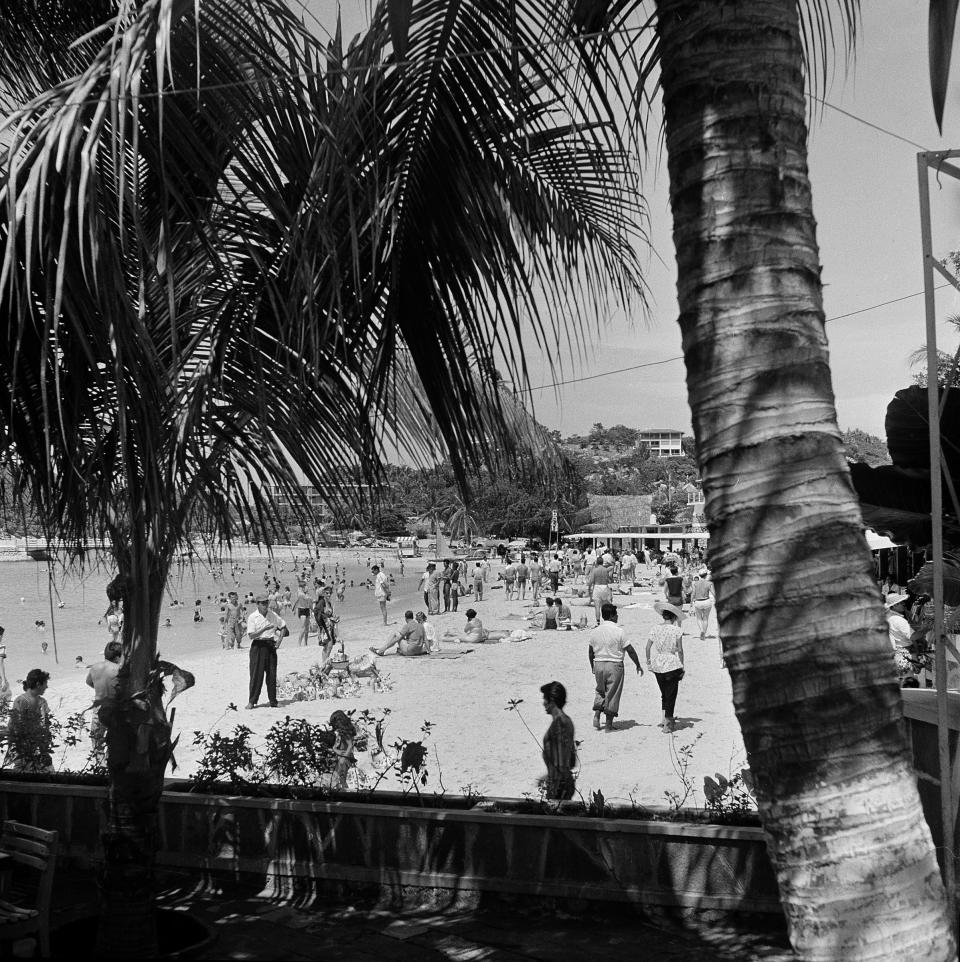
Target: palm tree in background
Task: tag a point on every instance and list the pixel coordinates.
(457, 517)
(230, 253)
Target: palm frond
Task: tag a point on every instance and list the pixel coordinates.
(234, 259)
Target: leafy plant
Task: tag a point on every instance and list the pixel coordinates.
(225, 758)
(681, 758)
(729, 796)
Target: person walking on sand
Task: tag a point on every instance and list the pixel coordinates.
(673, 586)
(598, 588)
(266, 630)
(628, 567)
(666, 645)
(702, 596)
(607, 646)
(509, 575)
(302, 605)
(478, 580)
(326, 622)
(433, 589)
(424, 585)
(536, 574)
(381, 590)
(554, 567)
(559, 744)
(114, 618)
(234, 623)
(523, 572)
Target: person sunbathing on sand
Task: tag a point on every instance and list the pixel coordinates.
(410, 639)
(473, 631)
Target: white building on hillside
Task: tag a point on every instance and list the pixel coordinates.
(662, 442)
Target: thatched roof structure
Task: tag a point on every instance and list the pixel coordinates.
(608, 512)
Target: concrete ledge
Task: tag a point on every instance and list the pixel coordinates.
(404, 843)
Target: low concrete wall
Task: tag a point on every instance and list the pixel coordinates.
(404, 844)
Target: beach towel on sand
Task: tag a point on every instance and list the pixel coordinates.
(450, 654)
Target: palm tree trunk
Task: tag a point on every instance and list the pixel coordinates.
(802, 629)
(138, 749)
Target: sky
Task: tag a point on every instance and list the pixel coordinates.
(866, 203)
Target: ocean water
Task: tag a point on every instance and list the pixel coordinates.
(29, 594)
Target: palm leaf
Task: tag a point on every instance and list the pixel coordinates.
(942, 21)
(209, 294)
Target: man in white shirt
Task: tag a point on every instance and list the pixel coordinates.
(605, 652)
(554, 567)
(628, 566)
(266, 629)
(381, 590)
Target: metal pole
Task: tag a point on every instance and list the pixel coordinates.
(53, 619)
(936, 525)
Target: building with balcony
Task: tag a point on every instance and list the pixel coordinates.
(662, 442)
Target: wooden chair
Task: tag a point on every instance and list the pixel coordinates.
(25, 903)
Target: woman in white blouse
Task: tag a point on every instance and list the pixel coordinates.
(664, 655)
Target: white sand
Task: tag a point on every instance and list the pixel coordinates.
(478, 741)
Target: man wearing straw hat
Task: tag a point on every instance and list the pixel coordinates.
(607, 646)
(897, 625)
(266, 629)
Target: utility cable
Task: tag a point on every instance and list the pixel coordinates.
(679, 357)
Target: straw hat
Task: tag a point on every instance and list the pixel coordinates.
(893, 600)
(261, 596)
(661, 606)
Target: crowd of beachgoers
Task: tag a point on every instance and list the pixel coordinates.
(370, 631)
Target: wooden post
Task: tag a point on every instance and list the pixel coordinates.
(936, 525)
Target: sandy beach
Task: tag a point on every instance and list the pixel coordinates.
(477, 743)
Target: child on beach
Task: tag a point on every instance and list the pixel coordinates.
(550, 616)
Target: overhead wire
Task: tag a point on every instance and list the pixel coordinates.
(679, 357)
(869, 123)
